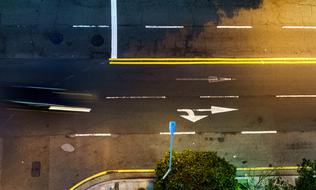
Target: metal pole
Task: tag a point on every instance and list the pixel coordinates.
(172, 129)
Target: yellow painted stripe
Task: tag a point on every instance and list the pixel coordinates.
(152, 171)
(269, 168)
(212, 59)
(111, 171)
(210, 62)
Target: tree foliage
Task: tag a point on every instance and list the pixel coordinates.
(196, 170)
(306, 179)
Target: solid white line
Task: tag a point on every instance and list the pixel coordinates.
(295, 96)
(299, 27)
(135, 97)
(179, 133)
(69, 108)
(258, 132)
(90, 26)
(39, 87)
(155, 26)
(217, 97)
(237, 27)
(90, 135)
(114, 29)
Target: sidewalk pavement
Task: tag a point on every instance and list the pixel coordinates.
(61, 170)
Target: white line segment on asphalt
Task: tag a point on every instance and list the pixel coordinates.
(179, 133)
(192, 79)
(90, 26)
(114, 29)
(164, 27)
(295, 96)
(68, 108)
(299, 27)
(217, 97)
(135, 97)
(90, 135)
(258, 132)
(235, 27)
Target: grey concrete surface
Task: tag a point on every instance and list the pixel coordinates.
(95, 154)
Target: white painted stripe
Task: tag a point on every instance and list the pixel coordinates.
(30, 103)
(179, 133)
(299, 27)
(155, 26)
(90, 135)
(114, 29)
(258, 132)
(237, 27)
(69, 108)
(39, 87)
(295, 96)
(192, 79)
(218, 97)
(90, 26)
(135, 97)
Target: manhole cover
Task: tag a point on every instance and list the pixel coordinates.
(97, 40)
(36, 169)
(56, 38)
(67, 147)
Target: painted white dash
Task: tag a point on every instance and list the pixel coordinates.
(113, 29)
(179, 133)
(68, 108)
(258, 132)
(299, 27)
(90, 135)
(235, 27)
(218, 97)
(90, 26)
(295, 96)
(192, 79)
(135, 97)
(164, 27)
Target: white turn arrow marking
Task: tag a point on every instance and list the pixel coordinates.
(194, 118)
(191, 116)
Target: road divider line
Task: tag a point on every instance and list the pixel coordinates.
(113, 29)
(216, 59)
(90, 26)
(299, 27)
(135, 97)
(218, 97)
(163, 27)
(269, 168)
(68, 108)
(258, 132)
(179, 133)
(295, 96)
(90, 135)
(233, 27)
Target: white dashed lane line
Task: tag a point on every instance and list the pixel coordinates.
(163, 27)
(258, 132)
(234, 27)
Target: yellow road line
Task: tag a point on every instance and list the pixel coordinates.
(209, 62)
(211, 59)
(152, 171)
(111, 171)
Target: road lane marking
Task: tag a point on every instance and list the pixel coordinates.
(191, 79)
(90, 135)
(135, 97)
(163, 27)
(68, 108)
(258, 132)
(269, 168)
(39, 87)
(299, 27)
(218, 97)
(194, 118)
(113, 29)
(179, 133)
(295, 96)
(215, 61)
(210, 79)
(90, 26)
(234, 27)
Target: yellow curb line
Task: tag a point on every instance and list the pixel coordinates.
(111, 171)
(215, 59)
(152, 171)
(210, 63)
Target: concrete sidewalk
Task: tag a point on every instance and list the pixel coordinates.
(91, 155)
